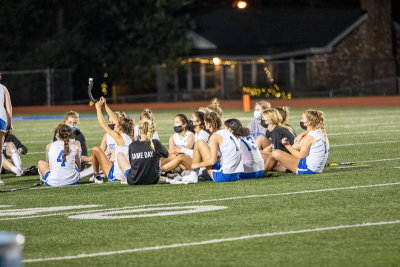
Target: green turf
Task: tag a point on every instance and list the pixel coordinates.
(369, 135)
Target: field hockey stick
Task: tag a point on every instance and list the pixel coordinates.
(342, 164)
(21, 188)
(90, 91)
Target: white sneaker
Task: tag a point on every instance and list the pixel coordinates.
(18, 172)
(124, 181)
(191, 178)
(1, 182)
(98, 180)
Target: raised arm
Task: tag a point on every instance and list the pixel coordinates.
(110, 113)
(118, 138)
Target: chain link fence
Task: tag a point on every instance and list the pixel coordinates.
(39, 87)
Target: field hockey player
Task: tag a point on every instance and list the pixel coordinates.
(62, 159)
(184, 159)
(253, 163)
(311, 154)
(123, 135)
(142, 166)
(5, 120)
(229, 166)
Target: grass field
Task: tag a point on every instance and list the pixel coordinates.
(348, 215)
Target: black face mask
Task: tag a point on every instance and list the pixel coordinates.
(178, 129)
(191, 126)
(303, 126)
(111, 126)
(263, 124)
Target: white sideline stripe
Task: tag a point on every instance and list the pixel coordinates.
(212, 241)
(208, 200)
(397, 167)
(367, 143)
(378, 160)
(366, 132)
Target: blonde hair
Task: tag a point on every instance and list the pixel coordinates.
(214, 107)
(71, 114)
(146, 114)
(148, 127)
(120, 114)
(127, 125)
(284, 111)
(263, 104)
(275, 117)
(316, 118)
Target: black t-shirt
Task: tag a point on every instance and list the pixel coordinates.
(276, 136)
(145, 167)
(79, 137)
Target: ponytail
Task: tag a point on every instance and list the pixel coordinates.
(237, 128)
(213, 119)
(148, 127)
(316, 117)
(127, 125)
(65, 133)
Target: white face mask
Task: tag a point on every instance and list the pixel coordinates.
(257, 115)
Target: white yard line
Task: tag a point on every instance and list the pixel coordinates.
(212, 200)
(379, 160)
(367, 143)
(214, 241)
(365, 132)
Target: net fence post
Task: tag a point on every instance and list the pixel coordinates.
(48, 86)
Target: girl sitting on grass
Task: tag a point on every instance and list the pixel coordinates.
(143, 167)
(182, 138)
(123, 136)
(311, 153)
(271, 119)
(62, 159)
(184, 160)
(253, 163)
(223, 168)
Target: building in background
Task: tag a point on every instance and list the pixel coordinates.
(308, 52)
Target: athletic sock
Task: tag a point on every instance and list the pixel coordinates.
(14, 169)
(16, 159)
(87, 172)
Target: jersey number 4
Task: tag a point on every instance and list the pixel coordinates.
(59, 158)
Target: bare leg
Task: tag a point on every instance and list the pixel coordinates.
(166, 160)
(100, 161)
(43, 167)
(262, 142)
(269, 161)
(123, 162)
(2, 137)
(8, 166)
(12, 153)
(287, 160)
(181, 160)
(202, 151)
